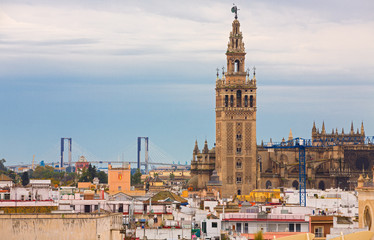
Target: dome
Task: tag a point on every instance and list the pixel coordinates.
(193, 182)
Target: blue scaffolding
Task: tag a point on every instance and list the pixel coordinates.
(301, 144)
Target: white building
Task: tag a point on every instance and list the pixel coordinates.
(331, 201)
(284, 221)
(211, 229)
(38, 190)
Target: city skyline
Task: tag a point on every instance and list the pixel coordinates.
(107, 73)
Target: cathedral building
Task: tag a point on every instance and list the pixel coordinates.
(239, 165)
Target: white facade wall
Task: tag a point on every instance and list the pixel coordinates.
(265, 226)
(164, 233)
(180, 216)
(30, 193)
(250, 223)
(6, 184)
(213, 228)
(210, 205)
(335, 201)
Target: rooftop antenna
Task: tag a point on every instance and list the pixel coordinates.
(235, 9)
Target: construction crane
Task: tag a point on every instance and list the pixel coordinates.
(301, 144)
(33, 160)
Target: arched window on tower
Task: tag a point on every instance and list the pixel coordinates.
(239, 164)
(231, 100)
(236, 66)
(251, 101)
(226, 100)
(245, 101)
(239, 98)
(268, 184)
(236, 44)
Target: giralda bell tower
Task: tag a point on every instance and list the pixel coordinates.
(236, 120)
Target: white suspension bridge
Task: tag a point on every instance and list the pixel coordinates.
(152, 154)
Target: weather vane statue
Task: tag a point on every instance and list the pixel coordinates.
(235, 9)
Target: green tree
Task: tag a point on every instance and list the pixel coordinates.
(48, 172)
(2, 166)
(88, 174)
(172, 176)
(85, 176)
(92, 172)
(25, 178)
(12, 175)
(103, 177)
(136, 177)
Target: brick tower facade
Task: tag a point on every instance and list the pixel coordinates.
(236, 121)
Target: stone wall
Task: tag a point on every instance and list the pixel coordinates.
(60, 226)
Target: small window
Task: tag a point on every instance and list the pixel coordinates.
(238, 179)
(291, 227)
(318, 232)
(214, 225)
(203, 227)
(245, 227)
(238, 137)
(239, 164)
(238, 227)
(251, 101)
(298, 227)
(119, 188)
(238, 150)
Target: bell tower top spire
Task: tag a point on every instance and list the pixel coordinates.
(236, 55)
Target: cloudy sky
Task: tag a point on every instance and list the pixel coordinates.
(106, 72)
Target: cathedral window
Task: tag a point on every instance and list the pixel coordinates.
(246, 101)
(239, 98)
(226, 100)
(236, 44)
(251, 101)
(231, 101)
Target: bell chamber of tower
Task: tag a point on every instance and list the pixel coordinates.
(236, 121)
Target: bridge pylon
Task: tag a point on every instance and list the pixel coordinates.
(146, 153)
